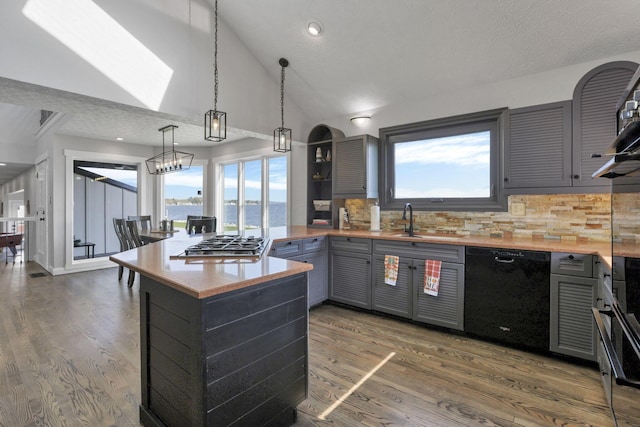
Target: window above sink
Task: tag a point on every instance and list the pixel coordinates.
(448, 164)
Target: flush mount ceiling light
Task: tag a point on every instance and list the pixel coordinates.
(314, 28)
(360, 120)
(215, 122)
(119, 138)
(171, 160)
(282, 135)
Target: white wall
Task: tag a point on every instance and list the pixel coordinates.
(542, 88)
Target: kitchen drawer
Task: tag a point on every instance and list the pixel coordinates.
(422, 250)
(286, 249)
(314, 244)
(351, 244)
(580, 265)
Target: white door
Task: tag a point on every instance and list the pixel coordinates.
(42, 243)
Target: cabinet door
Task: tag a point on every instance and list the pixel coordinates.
(538, 146)
(595, 119)
(573, 331)
(318, 284)
(355, 167)
(446, 309)
(350, 278)
(392, 299)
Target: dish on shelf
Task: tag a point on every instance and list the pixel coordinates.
(318, 221)
(318, 176)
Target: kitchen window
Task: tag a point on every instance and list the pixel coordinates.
(450, 164)
(254, 193)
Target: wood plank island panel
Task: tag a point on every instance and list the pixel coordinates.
(205, 362)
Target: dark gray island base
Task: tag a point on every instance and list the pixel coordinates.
(237, 358)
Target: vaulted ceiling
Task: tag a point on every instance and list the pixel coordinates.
(372, 54)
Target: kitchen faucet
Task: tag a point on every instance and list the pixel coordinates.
(404, 216)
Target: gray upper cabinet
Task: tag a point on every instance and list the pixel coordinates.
(355, 167)
(538, 148)
(549, 147)
(594, 118)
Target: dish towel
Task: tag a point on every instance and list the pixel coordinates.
(432, 277)
(391, 269)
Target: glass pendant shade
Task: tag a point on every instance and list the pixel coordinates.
(282, 140)
(215, 125)
(169, 160)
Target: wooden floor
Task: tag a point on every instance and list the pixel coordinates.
(69, 356)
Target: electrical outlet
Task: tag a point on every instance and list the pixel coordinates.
(518, 209)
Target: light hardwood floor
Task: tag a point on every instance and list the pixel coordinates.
(69, 356)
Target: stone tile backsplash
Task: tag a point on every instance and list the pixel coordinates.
(581, 217)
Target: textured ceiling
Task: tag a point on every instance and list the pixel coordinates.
(371, 54)
(375, 53)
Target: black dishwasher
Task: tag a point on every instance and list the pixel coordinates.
(506, 296)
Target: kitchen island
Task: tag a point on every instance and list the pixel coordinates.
(223, 341)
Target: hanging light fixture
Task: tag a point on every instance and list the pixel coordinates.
(171, 160)
(282, 135)
(215, 122)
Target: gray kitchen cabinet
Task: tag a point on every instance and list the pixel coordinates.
(595, 119)
(407, 298)
(391, 299)
(312, 250)
(350, 271)
(549, 148)
(574, 291)
(355, 167)
(538, 146)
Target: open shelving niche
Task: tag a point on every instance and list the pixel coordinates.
(319, 177)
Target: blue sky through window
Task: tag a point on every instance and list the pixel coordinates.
(448, 167)
(183, 184)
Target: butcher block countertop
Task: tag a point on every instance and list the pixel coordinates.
(202, 278)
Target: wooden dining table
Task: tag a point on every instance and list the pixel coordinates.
(150, 236)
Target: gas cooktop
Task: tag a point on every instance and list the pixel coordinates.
(227, 246)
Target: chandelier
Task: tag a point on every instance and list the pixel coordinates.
(171, 160)
(215, 122)
(282, 135)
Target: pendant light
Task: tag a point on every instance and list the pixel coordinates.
(215, 122)
(169, 161)
(282, 135)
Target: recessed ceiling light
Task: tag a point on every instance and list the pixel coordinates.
(119, 138)
(314, 28)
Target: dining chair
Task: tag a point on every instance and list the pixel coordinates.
(204, 225)
(143, 220)
(119, 226)
(133, 241)
(191, 218)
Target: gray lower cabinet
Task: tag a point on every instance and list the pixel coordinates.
(390, 299)
(312, 250)
(573, 294)
(447, 309)
(350, 271)
(407, 298)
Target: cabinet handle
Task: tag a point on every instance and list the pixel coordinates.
(368, 262)
(506, 180)
(575, 176)
(289, 243)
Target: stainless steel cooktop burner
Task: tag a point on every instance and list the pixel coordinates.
(228, 246)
